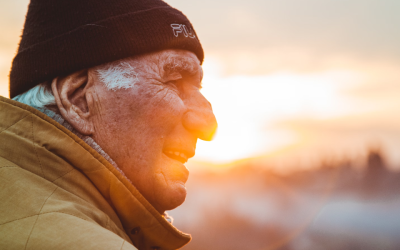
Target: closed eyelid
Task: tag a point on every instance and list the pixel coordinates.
(173, 76)
(178, 68)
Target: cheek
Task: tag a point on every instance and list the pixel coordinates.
(161, 108)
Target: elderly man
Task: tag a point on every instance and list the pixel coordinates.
(106, 110)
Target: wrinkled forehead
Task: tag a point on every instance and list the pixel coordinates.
(169, 61)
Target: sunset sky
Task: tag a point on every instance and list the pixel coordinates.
(290, 81)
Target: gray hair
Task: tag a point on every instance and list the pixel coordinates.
(114, 75)
(39, 96)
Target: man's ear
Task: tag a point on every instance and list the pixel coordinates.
(71, 95)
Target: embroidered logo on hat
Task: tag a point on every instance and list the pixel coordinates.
(181, 28)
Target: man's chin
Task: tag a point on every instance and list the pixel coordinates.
(171, 197)
(171, 191)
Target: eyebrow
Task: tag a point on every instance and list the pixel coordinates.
(179, 64)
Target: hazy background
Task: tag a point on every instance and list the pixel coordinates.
(306, 94)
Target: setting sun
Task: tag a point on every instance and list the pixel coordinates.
(263, 114)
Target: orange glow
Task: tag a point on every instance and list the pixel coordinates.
(305, 114)
(307, 98)
(281, 88)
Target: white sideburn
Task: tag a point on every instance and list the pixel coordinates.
(118, 76)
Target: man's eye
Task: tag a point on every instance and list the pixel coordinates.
(173, 84)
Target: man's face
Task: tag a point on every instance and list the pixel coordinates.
(151, 129)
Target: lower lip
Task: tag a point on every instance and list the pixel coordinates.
(182, 185)
(185, 171)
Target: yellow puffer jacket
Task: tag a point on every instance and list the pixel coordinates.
(56, 192)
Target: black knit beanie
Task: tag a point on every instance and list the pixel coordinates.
(64, 36)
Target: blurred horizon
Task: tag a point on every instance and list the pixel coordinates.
(291, 82)
(335, 205)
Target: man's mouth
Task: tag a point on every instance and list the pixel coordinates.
(177, 155)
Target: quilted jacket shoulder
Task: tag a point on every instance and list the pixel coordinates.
(58, 193)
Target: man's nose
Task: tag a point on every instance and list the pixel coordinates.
(200, 119)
